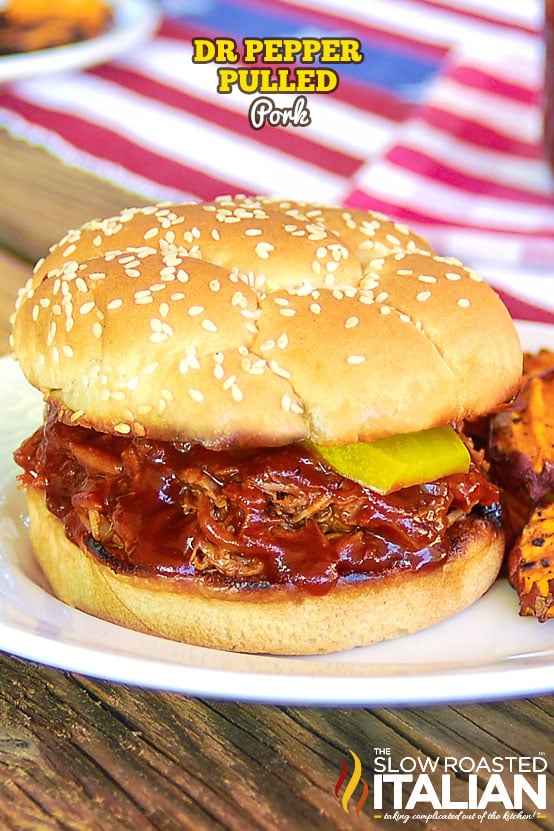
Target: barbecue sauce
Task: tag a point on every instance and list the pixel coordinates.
(249, 517)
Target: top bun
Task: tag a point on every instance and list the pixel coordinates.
(261, 321)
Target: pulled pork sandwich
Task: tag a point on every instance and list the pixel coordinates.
(252, 433)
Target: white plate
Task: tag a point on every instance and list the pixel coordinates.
(134, 22)
(486, 652)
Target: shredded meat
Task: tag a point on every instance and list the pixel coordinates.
(274, 515)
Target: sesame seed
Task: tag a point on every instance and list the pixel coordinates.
(122, 428)
(238, 299)
(114, 304)
(215, 285)
(164, 309)
(286, 403)
(279, 370)
(144, 300)
(366, 298)
(315, 308)
(264, 249)
(427, 278)
(215, 234)
(385, 310)
(209, 326)
(219, 372)
(453, 275)
(196, 395)
(194, 311)
(382, 296)
(405, 318)
(351, 322)
(463, 303)
(236, 393)
(283, 341)
(87, 307)
(287, 312)
(356, 360)
(257, 367)
(152, 232)
(67, 350)
(178, 295)
(81, 285)
(422, 296)
(253, 232)
(97, 330)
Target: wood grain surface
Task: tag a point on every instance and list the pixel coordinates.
(88, 755)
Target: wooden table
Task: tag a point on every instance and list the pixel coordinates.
(77, 753)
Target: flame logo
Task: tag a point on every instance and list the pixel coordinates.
(352, 784)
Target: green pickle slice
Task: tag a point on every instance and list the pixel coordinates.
(399, 461)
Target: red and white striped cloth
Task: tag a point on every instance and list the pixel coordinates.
(440, 126)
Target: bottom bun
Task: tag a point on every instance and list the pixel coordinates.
(274, 620)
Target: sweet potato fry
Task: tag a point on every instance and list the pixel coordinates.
(521, 445)
(521, 452)
(531, 564)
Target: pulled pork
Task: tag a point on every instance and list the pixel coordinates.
(264, 516)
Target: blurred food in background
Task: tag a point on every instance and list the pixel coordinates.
(30, 25)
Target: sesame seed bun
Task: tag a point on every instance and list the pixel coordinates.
(260, 321)
(272, 620)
